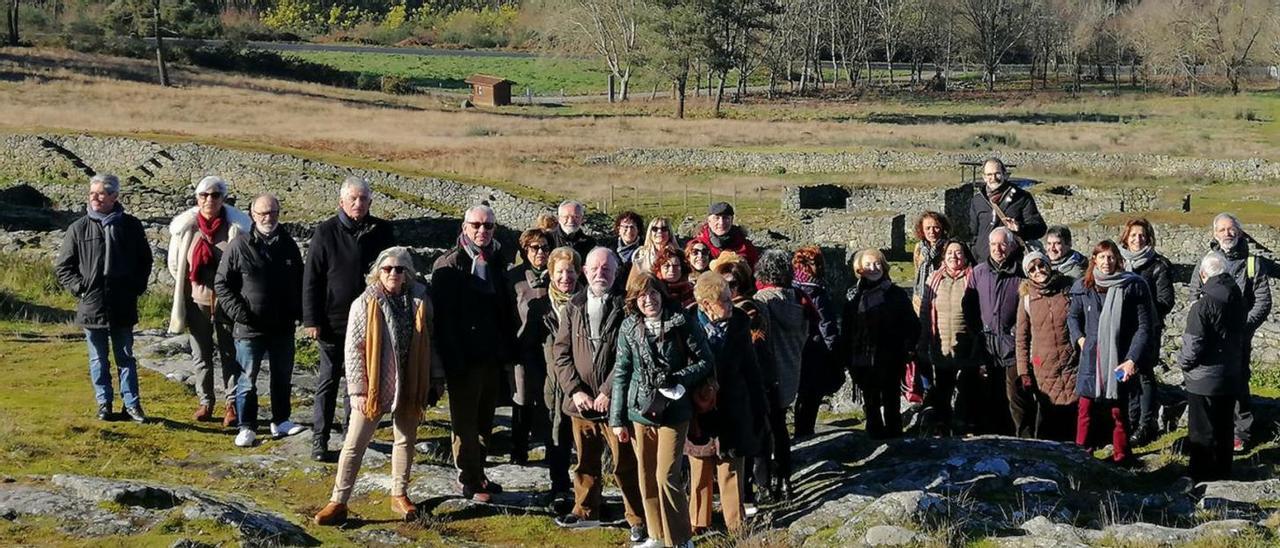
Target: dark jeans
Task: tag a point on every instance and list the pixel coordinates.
(965, 385)
(993, 402)
(328, 378)
(1022, 405)
(1055, 422)
(1142, 402)
(120, 340)
(534, 420)
(278, 350)
(1209, 434)
(815, 381)
(881, 388)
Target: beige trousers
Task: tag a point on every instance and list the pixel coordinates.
(659, 456)
(727, 473)
(359, 434)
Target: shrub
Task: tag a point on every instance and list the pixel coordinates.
(989, 140)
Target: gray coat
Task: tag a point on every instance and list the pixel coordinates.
(788, 328)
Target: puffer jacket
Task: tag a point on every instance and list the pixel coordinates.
(680, 354)
(955, 339)
(788, 323)
(1044, 346)
(259, 284)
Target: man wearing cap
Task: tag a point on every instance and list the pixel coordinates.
(720, 234)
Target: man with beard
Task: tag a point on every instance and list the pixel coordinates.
(997, 279)
(1062, 258)
(1251, 274)
(1001, 204)
(259, 281)
(568, 232)
(720, 234)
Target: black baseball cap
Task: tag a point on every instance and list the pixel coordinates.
(720, 208)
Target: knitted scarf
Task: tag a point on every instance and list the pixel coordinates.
(480, 256)
(415, 375)
(930, 258)
(108, 222)
(1110, 318)
(202, 253)
(625, 250)
(1133, 260)
(680, 291)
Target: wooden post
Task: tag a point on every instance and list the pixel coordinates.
(611, 187)
(685, 211)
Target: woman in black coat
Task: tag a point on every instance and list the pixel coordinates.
(816, 371)
(1138, 247)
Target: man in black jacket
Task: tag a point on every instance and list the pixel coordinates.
(1000, 203)
(476, 336)
(570, 216)
(342, 250)
(259, 281)
(1212, 368)
(105, 261)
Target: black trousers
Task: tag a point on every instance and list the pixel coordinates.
(1209, 425)
(1022, 405)
(1142, 401)
(815, 382)
(881, 388)
(1055, 422)
(328, 378)
(992, 402)
(773, 467)
(1244, 402)
(964, 385)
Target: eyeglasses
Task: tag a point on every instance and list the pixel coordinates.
(210, 195)
(396, 269)
(476, 225)
(659, 229)
(1037, 266)
(534, 248)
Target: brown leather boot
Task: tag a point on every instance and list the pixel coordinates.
(404, 507)
(334, 513)
(203, 413)
(229, 418)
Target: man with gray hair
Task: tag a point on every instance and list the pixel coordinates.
(997, 279)
(1252, 275)
(1213, 370)
(259, 283)
(342, 250)
(105, 262)
(568, 233)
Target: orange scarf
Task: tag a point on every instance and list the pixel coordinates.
(417, 373)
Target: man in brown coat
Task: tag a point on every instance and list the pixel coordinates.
(582, 357)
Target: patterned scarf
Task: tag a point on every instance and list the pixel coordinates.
(108, 222)
(202, 253)
(480, 256)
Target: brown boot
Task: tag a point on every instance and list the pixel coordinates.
(404, 507)
(229, 418)
(203, 413)
(334, 513)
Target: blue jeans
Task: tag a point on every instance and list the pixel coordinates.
(278, 350)
(121, 342)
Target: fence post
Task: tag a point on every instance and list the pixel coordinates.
(610, 197)
(685, 211)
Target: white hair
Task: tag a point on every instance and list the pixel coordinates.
(401, 254)
(486, 210)
(1224, 215)
(355, 182)
(578, 207)
(1212, 265)
(212, 183)
(109, 182)
(1009, 237)
(613, 257)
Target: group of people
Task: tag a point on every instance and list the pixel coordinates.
(669, 357)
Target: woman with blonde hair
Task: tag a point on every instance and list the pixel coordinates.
(659, 236)
(390, 361)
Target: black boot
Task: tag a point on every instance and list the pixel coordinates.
(104, 412)
(135, 414)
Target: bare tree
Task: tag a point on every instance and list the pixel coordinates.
(891, 16)
(13, 23)
(609, 29)
(996, 26)
(1235, 29)
(1171, 36)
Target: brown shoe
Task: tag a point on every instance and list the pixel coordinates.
(229, 418)
(203, 413)
(404, 507)
(334, 513)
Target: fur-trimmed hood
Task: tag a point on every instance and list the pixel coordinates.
(186, 221)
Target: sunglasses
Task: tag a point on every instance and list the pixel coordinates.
(699, 251)
(210, 195)
(1037, 266)
(396, 269)
(536, 248)
(659, 229)
(479, 225)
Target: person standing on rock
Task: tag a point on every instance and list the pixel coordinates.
(660, 237)
(568, 233)
(878, 339)
(1110, 321)
(997, 279)
(1252, 274)
(1000, 203)
(1211, 359)
(529, 289)
(1138, 247)
(582, 355)
(260, 283)
(720, 234)
(341, 251)
(809, 277)
(787, 316)
(197, 239)
(932, 230)
(390, 362)
(540, 400)
(1046, 356)
(105, 262)
(1064, 259)
(627, 226)
(478, 340)
(951, 338)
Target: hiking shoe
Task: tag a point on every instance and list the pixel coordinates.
(334, 513)
(135, 414)
(490, 487)
(650, 543)
(104, 411)
(204, 413)
(476, 494)
(229, 417)
(574, 521)
(319, 449)
(286, 428)
(245, 437)
(638, 533)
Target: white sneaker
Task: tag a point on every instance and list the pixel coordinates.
(649, 543)
(286, 428)
(750, 510)
(245, 438)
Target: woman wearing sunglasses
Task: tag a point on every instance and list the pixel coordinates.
(389, 351)
(659, 237)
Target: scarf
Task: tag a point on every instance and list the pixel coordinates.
(359, 228)
(1110, 318)
(415, 374)
(559, 300)
(1051, 286)
(930, 259)
(480, 256)
(108, 222)
(1071, 258)
(935, 280)
(1133, 260)
(202, 254)
(1010, 266)
(625, 251)
(715, 330)
(801, 276)
(681, 291)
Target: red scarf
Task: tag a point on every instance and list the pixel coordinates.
(202, 253)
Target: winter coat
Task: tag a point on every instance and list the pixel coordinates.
(1255, 289)
(788, 328)
(680, 354)
(741, 410)
(479, 328)
(1017, 204)
(390, 370)
(259, 285)
(579, 241)
(1045, 348)
(1134, 340)
(102, 301)
(532, 305)
(998, 303)
(183, 231)
(1212, 351)
(1158, 272)
(338, 259)
(880, 326)
(956, 339)
(580, 365)
(735, 241)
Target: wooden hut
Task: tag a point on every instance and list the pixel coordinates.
(489, 91)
